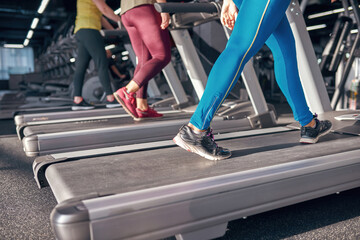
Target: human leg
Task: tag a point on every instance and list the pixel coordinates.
(94, 44)
(126, 95)
(82, 63)
(255, 22)
(147, 38)
(152, 48)
(282, 46)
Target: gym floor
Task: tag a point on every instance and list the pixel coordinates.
(25, 209)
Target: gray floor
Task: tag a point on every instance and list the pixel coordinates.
(25, 210)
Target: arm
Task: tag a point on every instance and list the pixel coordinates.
(165, 17)
(105, 23)
(117, 72)
(106, 10)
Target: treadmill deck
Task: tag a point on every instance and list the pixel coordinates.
(120, 173)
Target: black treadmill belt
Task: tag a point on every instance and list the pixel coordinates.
(140, 170)
(93, 124)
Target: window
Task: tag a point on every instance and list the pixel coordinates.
(15, 61)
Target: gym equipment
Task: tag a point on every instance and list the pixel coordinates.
(141, 183)
(340, 90)
(113, 131)
(24, 120)
(189, 196)
(40, 140)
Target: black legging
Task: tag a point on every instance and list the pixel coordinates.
(91, 45)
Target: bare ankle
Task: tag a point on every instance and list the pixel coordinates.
(311, 124)
(78, 100)
(195, 128)
(142, 104)
(132, 87)
(110, 98)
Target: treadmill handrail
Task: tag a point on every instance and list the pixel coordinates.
(188, 7)
(113, 33)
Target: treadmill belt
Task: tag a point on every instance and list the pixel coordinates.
(352, 129)
(126, 172)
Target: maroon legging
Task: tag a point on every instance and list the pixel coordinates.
(150, 43)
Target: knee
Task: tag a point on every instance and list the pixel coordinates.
(102, 64)
(167, 59)
(163, 56)
(164, 59)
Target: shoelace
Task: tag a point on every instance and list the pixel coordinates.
(152, 110)
(130, 97)
(211, 135)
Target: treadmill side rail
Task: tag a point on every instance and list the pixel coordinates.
(71, 221)
(31, 146)
(39, 167)
(19, 120)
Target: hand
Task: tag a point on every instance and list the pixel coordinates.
(165, 19)
(332, 1)
(229, 13)
(108, 53)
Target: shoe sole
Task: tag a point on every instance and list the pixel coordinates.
(81, 108)
(181, 143)
(314, 140)
(113, 106)
(118, 98)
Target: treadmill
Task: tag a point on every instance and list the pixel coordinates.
(24, 120)
(50, 119)
(11, 112)
(48, 139)
(164, 191)
(43, 118)
(104, 193)
(34, 105)
(119, 130)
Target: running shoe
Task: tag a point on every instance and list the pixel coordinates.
(112, 104)
(202, 143)
(127, 100)
(150, 113)
(82, 106)
(311, 135)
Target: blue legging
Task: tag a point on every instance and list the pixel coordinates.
(258, 22)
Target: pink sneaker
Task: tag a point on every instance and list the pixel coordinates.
(150, 113)
(127, 100)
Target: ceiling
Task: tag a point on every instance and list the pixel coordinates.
(16, 17)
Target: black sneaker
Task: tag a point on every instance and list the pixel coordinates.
(311, 135)
(202, 144)
(112, 104)
(82, 106)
